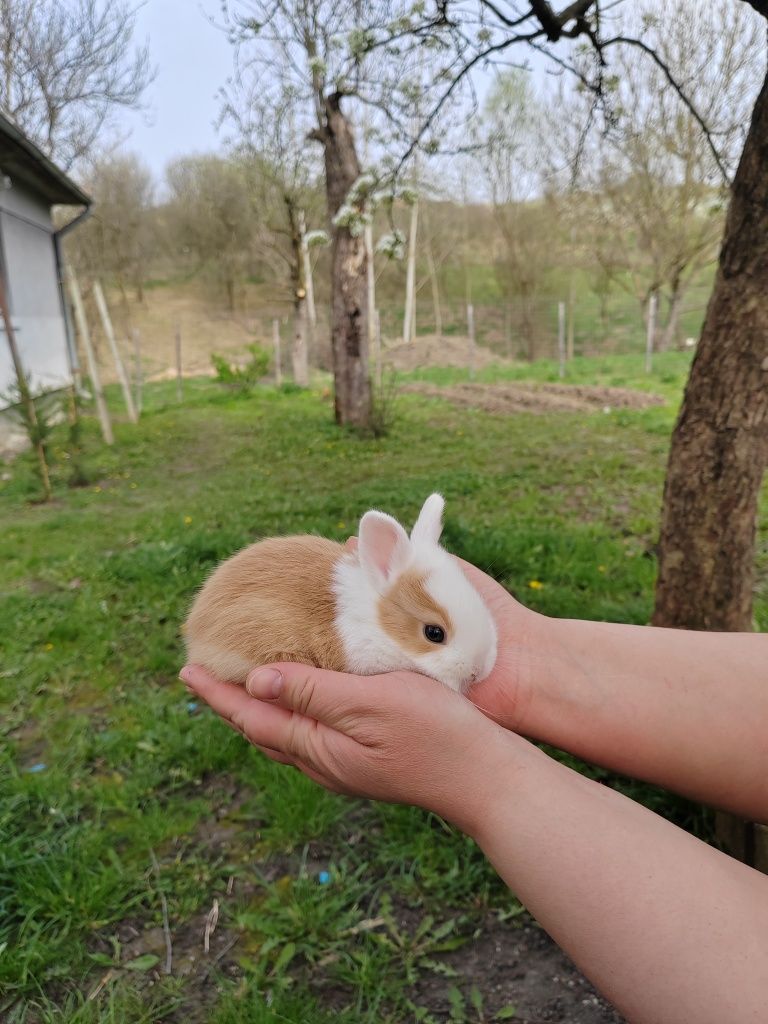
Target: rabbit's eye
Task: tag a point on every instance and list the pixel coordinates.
(435, 634)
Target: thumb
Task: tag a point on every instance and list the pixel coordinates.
(328, 697)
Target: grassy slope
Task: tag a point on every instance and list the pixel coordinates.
(93, 590)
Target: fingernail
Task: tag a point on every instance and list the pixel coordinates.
(186, 674)
(264, 683)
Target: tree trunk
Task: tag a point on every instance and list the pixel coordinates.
(720, 442)
(299, 362)
(669, 334)
(349, 285)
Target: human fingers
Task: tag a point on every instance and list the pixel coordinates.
(263, 724)
(273, 730)
(335, 699)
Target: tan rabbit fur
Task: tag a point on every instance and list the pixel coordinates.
(274, 601)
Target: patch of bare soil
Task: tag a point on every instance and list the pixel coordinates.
(204, 324)
(519, 967)
(510, 963)
(510, 398)
(429, 350)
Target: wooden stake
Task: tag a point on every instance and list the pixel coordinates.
(25, 394)
(93, 370)
(377, 348)
(571, 337)
(106, 322)
(276, 345)
(138, 377)
(652, 301)
(179, 377)
(471, 334)
(561, 354)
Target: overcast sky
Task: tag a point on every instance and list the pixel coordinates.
(193, 60)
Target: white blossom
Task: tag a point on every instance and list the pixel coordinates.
(318, 237)
(392, 245)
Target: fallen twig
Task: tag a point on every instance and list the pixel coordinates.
(210, 925)
(164, 908)
(219, 956)
(93, 994)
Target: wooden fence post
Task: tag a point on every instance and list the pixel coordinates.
(93, 370)
(561, 337)
(471, 336)
(179, 377)
(138, 378)
(508, 329)
(276, 346)
(652, 300)
(377, 347)
(106, 322)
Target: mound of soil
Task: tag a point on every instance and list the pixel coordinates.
(537, 398)
(429, 350)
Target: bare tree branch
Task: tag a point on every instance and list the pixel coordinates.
(664, 67)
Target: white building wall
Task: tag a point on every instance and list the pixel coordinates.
(26, 241)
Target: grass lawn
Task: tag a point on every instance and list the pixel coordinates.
(122, 803)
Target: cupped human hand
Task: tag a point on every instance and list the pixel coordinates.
(507, 692)
(398, 737)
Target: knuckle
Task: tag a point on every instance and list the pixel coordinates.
(304, 742)
(303, 694)
(237, 719)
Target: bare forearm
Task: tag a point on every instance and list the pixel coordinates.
(668, 928)
(685, 710)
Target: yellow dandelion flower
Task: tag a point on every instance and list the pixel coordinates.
(49, 647)
(601, 568)
(187, 520)
(341, 526)
(97, 489)
(535, 584)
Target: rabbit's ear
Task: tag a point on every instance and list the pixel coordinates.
(383, 546)
(429, 525)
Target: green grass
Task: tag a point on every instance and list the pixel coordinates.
(93, 589)
(667, 378)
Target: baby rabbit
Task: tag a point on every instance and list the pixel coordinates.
(395, 603)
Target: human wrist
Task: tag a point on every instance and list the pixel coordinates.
(552, 671)
(488, 781)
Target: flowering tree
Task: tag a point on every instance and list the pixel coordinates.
(321, 53)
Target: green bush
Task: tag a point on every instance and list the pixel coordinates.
(242, 378)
